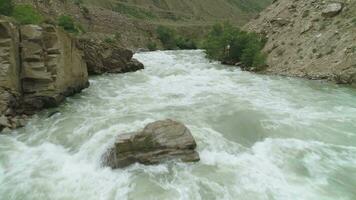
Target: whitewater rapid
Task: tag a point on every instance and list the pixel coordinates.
(259, 137)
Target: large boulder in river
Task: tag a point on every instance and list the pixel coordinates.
(103, 57)
(158, 141)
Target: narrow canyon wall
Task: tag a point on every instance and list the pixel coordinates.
(52, 66)
(39, 66)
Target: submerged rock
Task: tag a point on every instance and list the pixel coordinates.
(157, 142)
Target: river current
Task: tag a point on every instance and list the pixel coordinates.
(259, 137)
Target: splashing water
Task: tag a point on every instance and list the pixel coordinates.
(259, 137)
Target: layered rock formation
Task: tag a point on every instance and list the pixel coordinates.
(313, 39)
(158, 141)
(52, 67)
(102, 57)
(40, 65)
(10, 84)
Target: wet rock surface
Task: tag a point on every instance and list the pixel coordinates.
(157, 142)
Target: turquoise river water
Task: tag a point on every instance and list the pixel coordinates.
(259, 137)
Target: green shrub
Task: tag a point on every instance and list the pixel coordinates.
(185, 43)
(152, 46)
(231, 45)
(171, 40)
(6, 7)
(109, 40)
(78, 2)
(67, 23)
(26, 14)
(167, 37)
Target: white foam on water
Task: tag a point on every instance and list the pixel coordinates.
(304, 147)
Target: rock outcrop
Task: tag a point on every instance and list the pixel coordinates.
(312, 39)
(332, 9)
(158, 141)
(52, 67)
(103, 57)
(10, 84)
(39, 66)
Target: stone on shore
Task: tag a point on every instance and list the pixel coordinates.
(332, 10)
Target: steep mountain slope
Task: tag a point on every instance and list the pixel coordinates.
(135, 21)
(314, 39)
(237, 11)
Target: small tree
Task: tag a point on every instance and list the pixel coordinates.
(6, 7)
(229, 44)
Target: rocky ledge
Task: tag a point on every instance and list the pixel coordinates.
(103, 57)
(157, 142)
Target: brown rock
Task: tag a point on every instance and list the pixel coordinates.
(4, 122)
(48, 68)
(157, 142)
(52, 67)
(10, 85)
(102, 57)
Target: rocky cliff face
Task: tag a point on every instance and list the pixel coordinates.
(10, 85)
(314, 39)
(40, 65)
(52, 67)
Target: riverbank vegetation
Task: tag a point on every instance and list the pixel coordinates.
(171, 40)
(232, 45)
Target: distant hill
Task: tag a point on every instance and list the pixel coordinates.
(209, 11)
(133, 22)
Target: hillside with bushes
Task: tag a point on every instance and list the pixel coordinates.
(134, 24)
(185, 11)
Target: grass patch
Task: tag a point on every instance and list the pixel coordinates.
(26, 14)
(134, 12)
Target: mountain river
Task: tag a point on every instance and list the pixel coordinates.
(259, 137)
